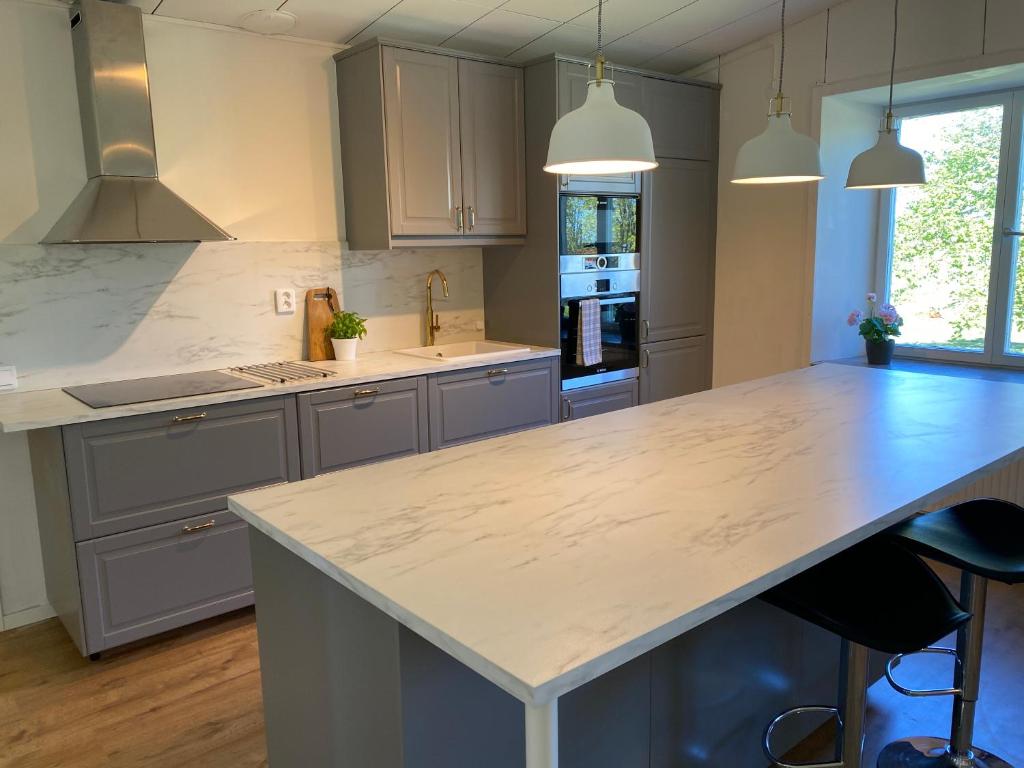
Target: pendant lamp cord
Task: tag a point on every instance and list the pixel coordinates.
(892, 67)
(782, 55)
(600, 27)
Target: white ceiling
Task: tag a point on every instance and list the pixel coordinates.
(665, 35)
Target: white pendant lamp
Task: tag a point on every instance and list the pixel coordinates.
(888, 164)
(780, 155)
(602, 136)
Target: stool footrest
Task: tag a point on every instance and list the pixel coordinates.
(795, 711)
(896, 660)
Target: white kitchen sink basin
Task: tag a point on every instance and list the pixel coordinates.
(464, 350)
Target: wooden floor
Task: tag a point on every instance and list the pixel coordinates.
(192, 697)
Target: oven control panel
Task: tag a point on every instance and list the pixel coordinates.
(614, 262)
(599, 283)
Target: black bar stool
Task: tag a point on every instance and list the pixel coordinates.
(985, 539)
(874, 595)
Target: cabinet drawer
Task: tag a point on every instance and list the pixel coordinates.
(140, 583)
(674, 368)
(604, 398)
(130, 473)
(341, 428)
(485, 402)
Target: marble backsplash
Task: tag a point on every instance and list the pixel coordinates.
(80, 314)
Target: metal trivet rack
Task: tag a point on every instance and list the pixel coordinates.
(281, 373)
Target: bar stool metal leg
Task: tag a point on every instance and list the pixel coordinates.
(957, 751)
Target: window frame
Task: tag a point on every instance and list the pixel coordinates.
(1003, 249)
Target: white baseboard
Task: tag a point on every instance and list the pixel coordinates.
(25, 617)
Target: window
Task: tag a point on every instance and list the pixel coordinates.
(949, 252)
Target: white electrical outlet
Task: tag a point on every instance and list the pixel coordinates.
(284, 301)
(8, 378)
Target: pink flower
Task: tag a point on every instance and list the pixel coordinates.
(855, 318)
(889, 315)
(872, 297)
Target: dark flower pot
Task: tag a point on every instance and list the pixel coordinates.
(879, 352)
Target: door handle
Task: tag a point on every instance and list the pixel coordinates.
(472, 218)
(458, 218)
(647, 328)
(565, 180)
(193, 417)
(647, 358)
(366, 392)
(201, 527)
(1012, 233)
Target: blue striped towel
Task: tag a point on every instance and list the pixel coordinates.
(588, 335)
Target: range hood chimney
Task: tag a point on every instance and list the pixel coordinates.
(124, 200)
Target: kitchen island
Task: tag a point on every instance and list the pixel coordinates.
(544, 563)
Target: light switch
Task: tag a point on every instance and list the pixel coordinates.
(8, 378)
(284, 301)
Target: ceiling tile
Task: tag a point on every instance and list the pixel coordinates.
(560, 10)
(567, 39)
(147, 6)
(501, 32)
(226, 12)
(624, 16)
(425, 21)
(335, 21)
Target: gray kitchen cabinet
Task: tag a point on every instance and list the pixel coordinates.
(341, 428)
(674, 368)
(139, 583)
(133, 472)
(493, 148)
(677, 250)
(485, 402)
(683, 118)
(432, 147)
(573, 79)
(421, 115)
(114, 499)
(603, 398)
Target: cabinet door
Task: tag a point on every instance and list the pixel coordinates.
(138, 471)
(683, 119)
(341, 428)
(572, 92)
(137, 584)
(484, 402)
(604, 398)
(493, 148)
(421, 117)
(674, 368)
(677, 250)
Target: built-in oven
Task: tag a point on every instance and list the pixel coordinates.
(616, 293)
(598, 225)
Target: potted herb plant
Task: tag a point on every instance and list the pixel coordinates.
(878, 329)
(345, 331)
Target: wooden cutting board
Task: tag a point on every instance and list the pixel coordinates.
(321, 304)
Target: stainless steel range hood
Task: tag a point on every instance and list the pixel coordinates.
(124, 201)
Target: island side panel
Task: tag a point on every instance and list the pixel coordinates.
(330, 667)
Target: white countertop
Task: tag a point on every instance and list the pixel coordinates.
(22, 411)
(544, 559)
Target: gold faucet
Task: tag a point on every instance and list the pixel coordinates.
(434, 321)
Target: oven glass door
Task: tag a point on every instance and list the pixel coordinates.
(598, 224)
(619, 337)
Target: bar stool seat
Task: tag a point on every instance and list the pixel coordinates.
(875, 595)
(984, 538)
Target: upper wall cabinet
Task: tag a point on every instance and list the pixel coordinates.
(683, 119)
(432, 149)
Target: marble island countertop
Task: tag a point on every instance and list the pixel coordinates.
(544, 559)
(22, 411)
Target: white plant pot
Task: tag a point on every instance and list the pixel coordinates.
(344, 349)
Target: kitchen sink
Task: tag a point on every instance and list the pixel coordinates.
(464, 350)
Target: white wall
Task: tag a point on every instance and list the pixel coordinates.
(766, 236)
(246, 130)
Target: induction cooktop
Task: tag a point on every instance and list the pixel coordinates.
(113, 393)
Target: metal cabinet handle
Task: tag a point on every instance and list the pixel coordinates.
(472, 218)
(367, 392)
(565, 180)
(647, 328)
(458, 218)
(1013, 233)
(497, 372)
(201, 527)
(647, 358)
(569, 414)
(193, 417)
